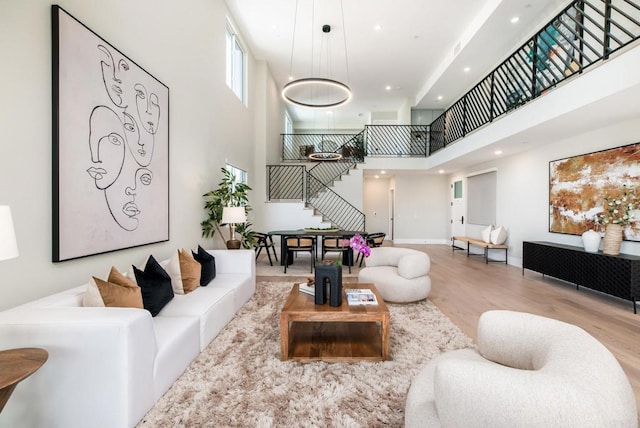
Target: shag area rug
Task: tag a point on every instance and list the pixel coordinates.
(239, 380)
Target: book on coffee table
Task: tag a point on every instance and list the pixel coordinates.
(360, 296)
(306, 288)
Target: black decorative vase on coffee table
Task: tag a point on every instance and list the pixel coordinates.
(328, 279)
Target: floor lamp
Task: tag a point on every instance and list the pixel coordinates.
(233, 216)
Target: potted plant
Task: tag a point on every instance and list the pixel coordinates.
(229, 193)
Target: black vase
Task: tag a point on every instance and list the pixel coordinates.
(328, 285)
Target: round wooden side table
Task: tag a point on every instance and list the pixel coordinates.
(15, 366)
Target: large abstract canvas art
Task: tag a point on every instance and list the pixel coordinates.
(579, 185)
(110, 146)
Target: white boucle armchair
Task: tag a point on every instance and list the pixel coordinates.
(527, 371)
(399, 274)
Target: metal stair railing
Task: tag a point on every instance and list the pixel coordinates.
(285, 182)
(333, 207)
(327, 172)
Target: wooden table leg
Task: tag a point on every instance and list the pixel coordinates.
(385, 333)
(284, 337)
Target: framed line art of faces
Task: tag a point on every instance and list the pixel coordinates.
(578, 186)
(110, 146)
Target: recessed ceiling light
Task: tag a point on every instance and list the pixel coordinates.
(515, 19)
(498, 152)
(388, 88)
(440, 97)
(377, 27)
(376, 176)
(467, 69)
(383, 172)
(441, 171)
(290, 78)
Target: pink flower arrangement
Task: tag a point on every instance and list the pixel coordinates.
(359, 244)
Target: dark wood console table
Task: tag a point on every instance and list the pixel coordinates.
(614, 275)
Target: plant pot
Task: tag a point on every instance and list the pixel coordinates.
(612, 239)
(591, 241)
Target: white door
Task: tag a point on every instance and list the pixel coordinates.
(457, 209)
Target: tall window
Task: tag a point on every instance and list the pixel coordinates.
(235, 64)
(288, 138)
(239, 174)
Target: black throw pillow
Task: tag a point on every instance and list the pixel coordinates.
(208, 263)
(155, 284)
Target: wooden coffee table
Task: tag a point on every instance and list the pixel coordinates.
(310, 332)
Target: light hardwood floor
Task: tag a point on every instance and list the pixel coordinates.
(463, 288)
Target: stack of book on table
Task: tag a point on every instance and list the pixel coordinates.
(360, 296)
(307, 288)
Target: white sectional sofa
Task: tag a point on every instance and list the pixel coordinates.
(108, 366)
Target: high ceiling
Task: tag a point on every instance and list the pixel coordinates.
(397, 54)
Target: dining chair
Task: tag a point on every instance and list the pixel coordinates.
(337, 244)
(265, 241)
(373, 240)
(300, 244)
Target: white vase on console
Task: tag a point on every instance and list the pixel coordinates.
(591, 241)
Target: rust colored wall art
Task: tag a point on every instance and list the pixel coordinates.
(578, 186)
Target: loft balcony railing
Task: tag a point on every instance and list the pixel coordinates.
(297, 147)
(375, 140)
(584, 33)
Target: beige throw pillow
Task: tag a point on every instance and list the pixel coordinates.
(498, 235)
(190, 270)
(486, 234)
(184, 271)
(116, 291)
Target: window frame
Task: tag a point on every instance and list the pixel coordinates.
(236, 57)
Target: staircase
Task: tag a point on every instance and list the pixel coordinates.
(315, 185)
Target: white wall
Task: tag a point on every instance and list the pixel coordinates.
(184, 47)
(421, 209)
(376, 204)
(523, 185)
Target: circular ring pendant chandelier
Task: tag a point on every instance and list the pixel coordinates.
(316, 92)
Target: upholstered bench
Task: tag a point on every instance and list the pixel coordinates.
(486, 246)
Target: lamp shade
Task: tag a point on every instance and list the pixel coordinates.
(233, 215)
(8, 244)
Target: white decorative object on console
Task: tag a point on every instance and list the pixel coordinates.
(591, 241)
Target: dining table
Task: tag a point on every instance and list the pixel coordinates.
(317, 232)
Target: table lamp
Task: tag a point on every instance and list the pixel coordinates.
(233, 216)
(8, 244)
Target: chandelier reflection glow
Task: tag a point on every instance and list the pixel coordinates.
(317, 92)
